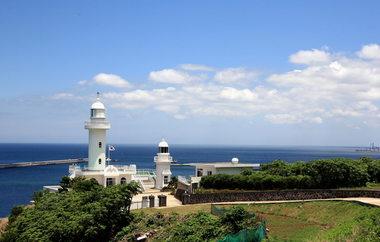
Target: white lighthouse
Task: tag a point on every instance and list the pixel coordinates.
(97, 136)
(163, 161)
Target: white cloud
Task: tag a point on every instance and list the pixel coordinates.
(371, 51)
(309, 57)
(111, 80)
(343, 89)
(351, 125)
(142, 98)
(342, 80)
(173, 76)
(355, 109)
(372, 123)
(168, 108)
(316, 120)
(291, 118)
(62, 96)
(241, 95)
(236, 76)
(180, 116)
(82, 82)
(214, 111)
(196, 67)
(282, 118)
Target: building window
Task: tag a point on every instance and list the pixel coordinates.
(93, 112)
(123, 180)
(199, 172)
(100, 161)
(163, 149)
(209, 173)
(100, 144)
(109, 182)
(166, 179)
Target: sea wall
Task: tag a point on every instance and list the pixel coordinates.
(279, 195)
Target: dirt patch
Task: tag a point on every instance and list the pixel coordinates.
(289, 226)
(3, 223)
(283, 226)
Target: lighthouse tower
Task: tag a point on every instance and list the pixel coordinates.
(163, 161)
(97, 136)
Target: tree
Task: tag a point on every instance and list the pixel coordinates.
(65, 184)
(81, 214)
(174, 181)
(39, 194)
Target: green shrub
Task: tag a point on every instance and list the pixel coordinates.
(320, 174)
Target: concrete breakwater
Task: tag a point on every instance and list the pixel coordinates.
(42, 163)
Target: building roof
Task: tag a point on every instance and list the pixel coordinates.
(166, 172)
(97, 105)
(163, 143)
(224, 164)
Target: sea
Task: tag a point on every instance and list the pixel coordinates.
(18, 184)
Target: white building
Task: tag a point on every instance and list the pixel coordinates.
(97, 136)
(97, 168)
(163, 161)
(208, 169)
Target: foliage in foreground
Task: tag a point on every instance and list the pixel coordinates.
(316, 174)
(89, 212)
(199, 226)
(86, 213)
(366, 227)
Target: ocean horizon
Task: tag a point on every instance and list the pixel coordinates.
(18, 184)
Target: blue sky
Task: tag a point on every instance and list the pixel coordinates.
(196, 72)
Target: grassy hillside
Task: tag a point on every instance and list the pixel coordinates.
(305, 221)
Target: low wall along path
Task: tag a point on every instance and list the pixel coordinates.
(276, 195)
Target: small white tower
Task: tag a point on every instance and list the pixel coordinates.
(97, 136)
(163, 161)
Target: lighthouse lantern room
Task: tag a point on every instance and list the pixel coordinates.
(97, 136)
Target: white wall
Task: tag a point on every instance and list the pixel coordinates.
(99, 178)
(230, 170)
(160, 167)
(205, 170)
(94, 152)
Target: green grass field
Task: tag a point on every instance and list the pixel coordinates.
(304, 221)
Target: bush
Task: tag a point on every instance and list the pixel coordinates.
(321, 174)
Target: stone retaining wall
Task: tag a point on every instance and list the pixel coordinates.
(178, 194)
(279, 195)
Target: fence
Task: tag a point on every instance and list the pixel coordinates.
(248, 235)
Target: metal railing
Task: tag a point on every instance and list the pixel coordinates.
(85, 168)
(97, 124)
(125, 168)
(146, 172)
(143, 189)
(170, 158)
